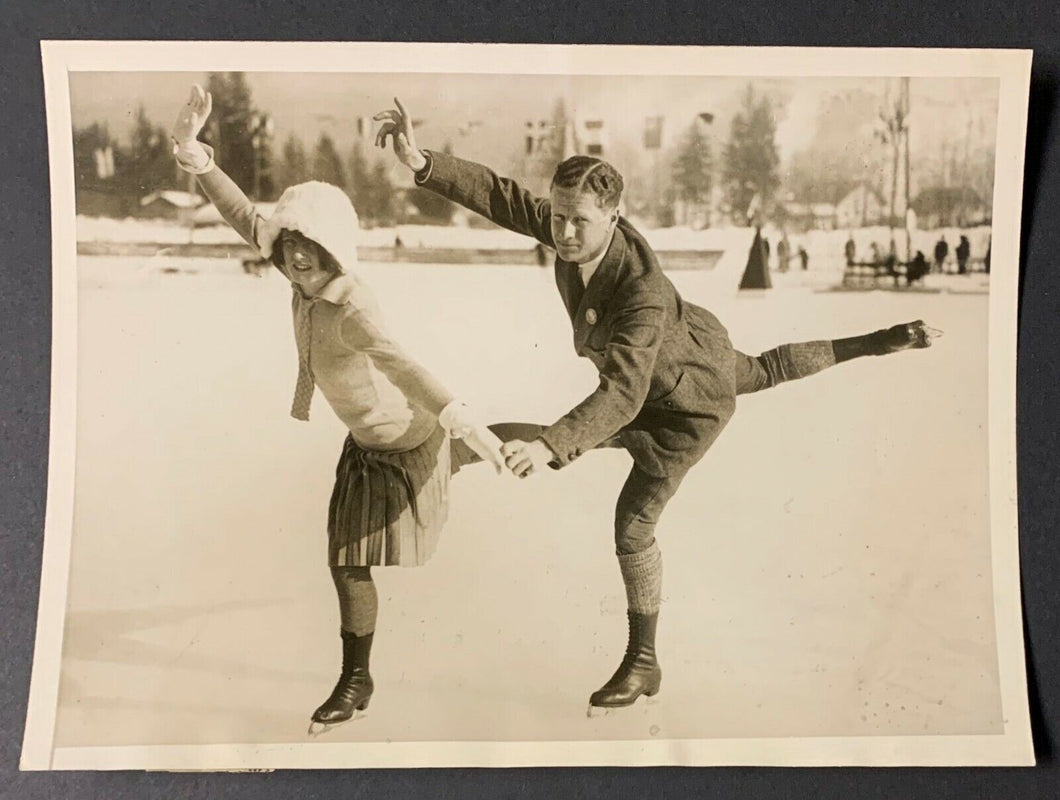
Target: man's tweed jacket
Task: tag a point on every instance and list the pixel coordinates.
(667, 384)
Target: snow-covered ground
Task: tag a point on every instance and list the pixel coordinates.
(827, 565)
(106, 229)
(100, 230)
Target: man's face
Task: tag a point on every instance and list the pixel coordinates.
(580, 228)
(304, 264)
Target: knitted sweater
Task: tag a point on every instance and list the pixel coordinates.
(386, 399)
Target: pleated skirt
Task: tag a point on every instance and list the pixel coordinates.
(388, 509)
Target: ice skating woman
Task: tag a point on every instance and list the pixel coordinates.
(391, 489)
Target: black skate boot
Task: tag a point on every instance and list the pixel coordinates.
(907, 336)
(638, 674)
(353, 690)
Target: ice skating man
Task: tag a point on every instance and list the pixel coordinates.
(668, 374)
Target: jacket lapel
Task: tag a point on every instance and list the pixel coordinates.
(590, 311)
(566, 282)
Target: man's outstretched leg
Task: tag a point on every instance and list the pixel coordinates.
(640, 504)
(793, 361)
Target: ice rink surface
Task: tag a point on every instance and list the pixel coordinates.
(826, 566)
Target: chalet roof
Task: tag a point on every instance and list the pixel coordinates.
(174, 198)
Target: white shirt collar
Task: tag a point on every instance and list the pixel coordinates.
(589, 267)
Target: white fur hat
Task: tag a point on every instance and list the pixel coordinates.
(319, 211)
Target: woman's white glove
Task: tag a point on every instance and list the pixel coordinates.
(459, 422)
(192, 117)
(191, 154)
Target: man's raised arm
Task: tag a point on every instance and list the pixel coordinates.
(472, 185)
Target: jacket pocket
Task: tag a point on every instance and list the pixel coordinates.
(666, 398)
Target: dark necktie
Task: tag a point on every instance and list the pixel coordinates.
(575, 287)
(303, 336)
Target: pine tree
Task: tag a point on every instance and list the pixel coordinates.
(432, 206)
(327, 165)
(97, 190)
(751, 157)
(229, 128)
(149, 164)
(692, 169)
(359, 187)
(87, 142)
(381, 195)
(295, 166)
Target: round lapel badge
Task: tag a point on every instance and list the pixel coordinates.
(590, 316)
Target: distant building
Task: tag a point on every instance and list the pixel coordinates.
(170, 204)
(810, 216)
(949, 206)
(207, 215)
(860, 207)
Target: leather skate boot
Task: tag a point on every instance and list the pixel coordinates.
(907, 336)
(910, 336)
(354, 688)
(639, 673)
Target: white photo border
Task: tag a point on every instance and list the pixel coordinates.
(1010, 67)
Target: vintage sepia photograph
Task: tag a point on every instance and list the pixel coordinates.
(489, 405)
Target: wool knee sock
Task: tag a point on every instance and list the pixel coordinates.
(789, 362)
(642, 575)
(358, 599)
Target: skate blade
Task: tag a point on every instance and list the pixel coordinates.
(317, 729)
(596, 712)
(923, 335)
(931, 334)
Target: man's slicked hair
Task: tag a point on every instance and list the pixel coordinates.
(588, 174)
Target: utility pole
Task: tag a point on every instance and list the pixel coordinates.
(893, 118)
(908, 233)
(966, 169)
(653, 133)
(261, 128)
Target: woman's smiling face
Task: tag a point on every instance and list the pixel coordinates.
(307, 265)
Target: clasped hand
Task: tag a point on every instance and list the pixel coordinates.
(526, 458)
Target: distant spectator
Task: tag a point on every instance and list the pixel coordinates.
(964, 250)
(850, 250)
(891, 262)
(942, 249)
(986, 258)
(765, 250)
(398, 244)
(874, 254)
(783, 253)
(917, 268)
(804, 257)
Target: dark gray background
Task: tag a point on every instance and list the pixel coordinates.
(25, 325)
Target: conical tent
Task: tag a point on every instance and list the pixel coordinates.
(756, 275)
